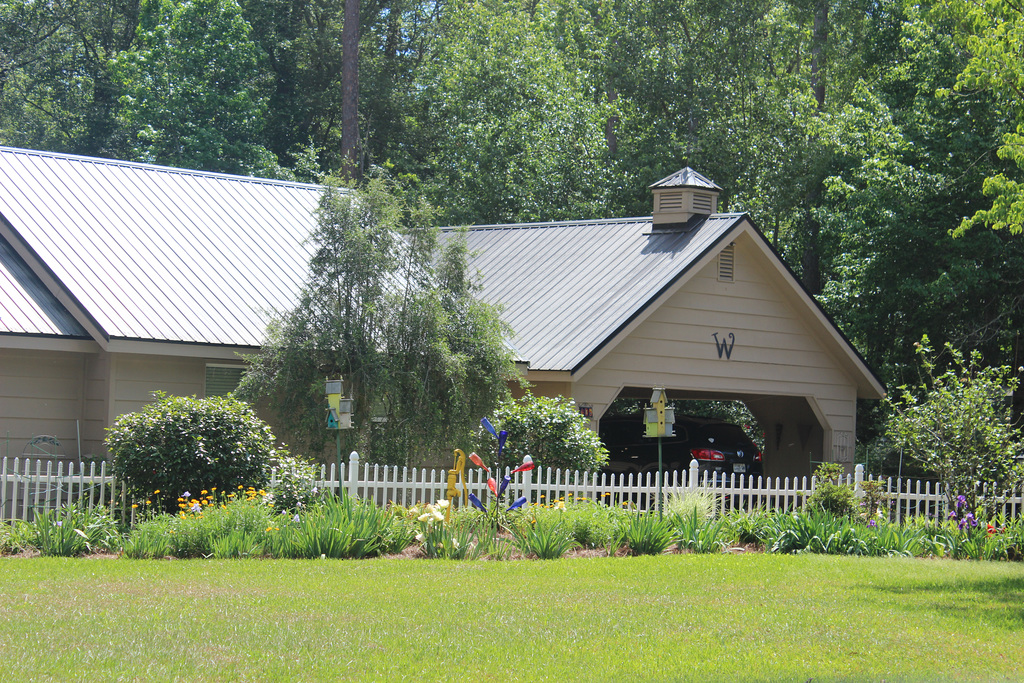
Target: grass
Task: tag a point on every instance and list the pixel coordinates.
(665, 618)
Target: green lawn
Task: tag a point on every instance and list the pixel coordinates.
(674, 617)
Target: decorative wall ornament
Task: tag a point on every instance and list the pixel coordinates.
(723, 346)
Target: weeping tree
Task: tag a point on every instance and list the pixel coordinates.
(390, 306)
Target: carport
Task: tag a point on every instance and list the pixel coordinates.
(688, 299)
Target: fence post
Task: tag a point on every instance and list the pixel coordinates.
(691, 482)
(353, 475)
(528, 486)
(858, 479)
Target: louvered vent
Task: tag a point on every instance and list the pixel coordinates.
(670, 201)
(727, 263)
(701, 202)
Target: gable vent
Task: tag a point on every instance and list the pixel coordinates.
(670, 201)
(727, 263)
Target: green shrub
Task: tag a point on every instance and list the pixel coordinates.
(218, 528)
(334, 528)
(295, 483)
(548, 538)
(550, 430)
(700, 533)
(186, 443)
(830, 497)
(647, 534)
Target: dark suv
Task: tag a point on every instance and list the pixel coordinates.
(719, 447)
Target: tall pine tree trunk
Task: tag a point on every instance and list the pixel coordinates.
(811, 262)
(352, 164)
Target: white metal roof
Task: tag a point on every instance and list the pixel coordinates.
(155, 253)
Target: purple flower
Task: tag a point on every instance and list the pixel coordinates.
(960, 501)
(60, 523)
(872, 523)
(952, 514)
(969, 518)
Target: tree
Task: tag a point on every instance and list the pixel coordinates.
(392, 309)
(958, 424)
(194, 92)
(991, 31)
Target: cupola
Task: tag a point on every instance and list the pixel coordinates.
(680, 196)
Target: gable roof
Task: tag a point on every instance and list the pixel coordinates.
(151, 253)
(124, 251)
(571, 289)
(567, 287)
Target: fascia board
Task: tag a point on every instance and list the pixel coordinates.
(35, 342)
(182, 349)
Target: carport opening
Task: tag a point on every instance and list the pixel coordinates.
(720, 431)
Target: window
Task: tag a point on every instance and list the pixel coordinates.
(221, 380)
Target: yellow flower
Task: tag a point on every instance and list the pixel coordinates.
(135, 505)
(240, 486)
(204, 492)
(156, 492)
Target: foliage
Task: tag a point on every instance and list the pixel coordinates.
(194, 92)
(698, 502)
(829, 495)
(547, 538)
(72, 530)
(991, 32)
(700, 533)
(647, 534)
(550, 430)
(294, 486)
(392, 310)
(183, 443)
(590, 524)
(334, 529)
(958, 424)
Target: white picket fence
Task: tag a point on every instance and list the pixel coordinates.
(30, 486)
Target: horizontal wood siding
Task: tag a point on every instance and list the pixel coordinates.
(136, 377)
(40, 393)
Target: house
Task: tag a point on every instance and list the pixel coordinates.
(119, 279)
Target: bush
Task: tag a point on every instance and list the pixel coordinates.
(550, 430)
(646, 534)
(294, 486)
(829, 496)
(959, 425)
(185, 443)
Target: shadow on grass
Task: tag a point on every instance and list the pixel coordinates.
(997, 602)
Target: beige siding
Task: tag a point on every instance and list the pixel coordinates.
(136, 377)
(40, 393)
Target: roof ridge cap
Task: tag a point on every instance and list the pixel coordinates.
(157, 168)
